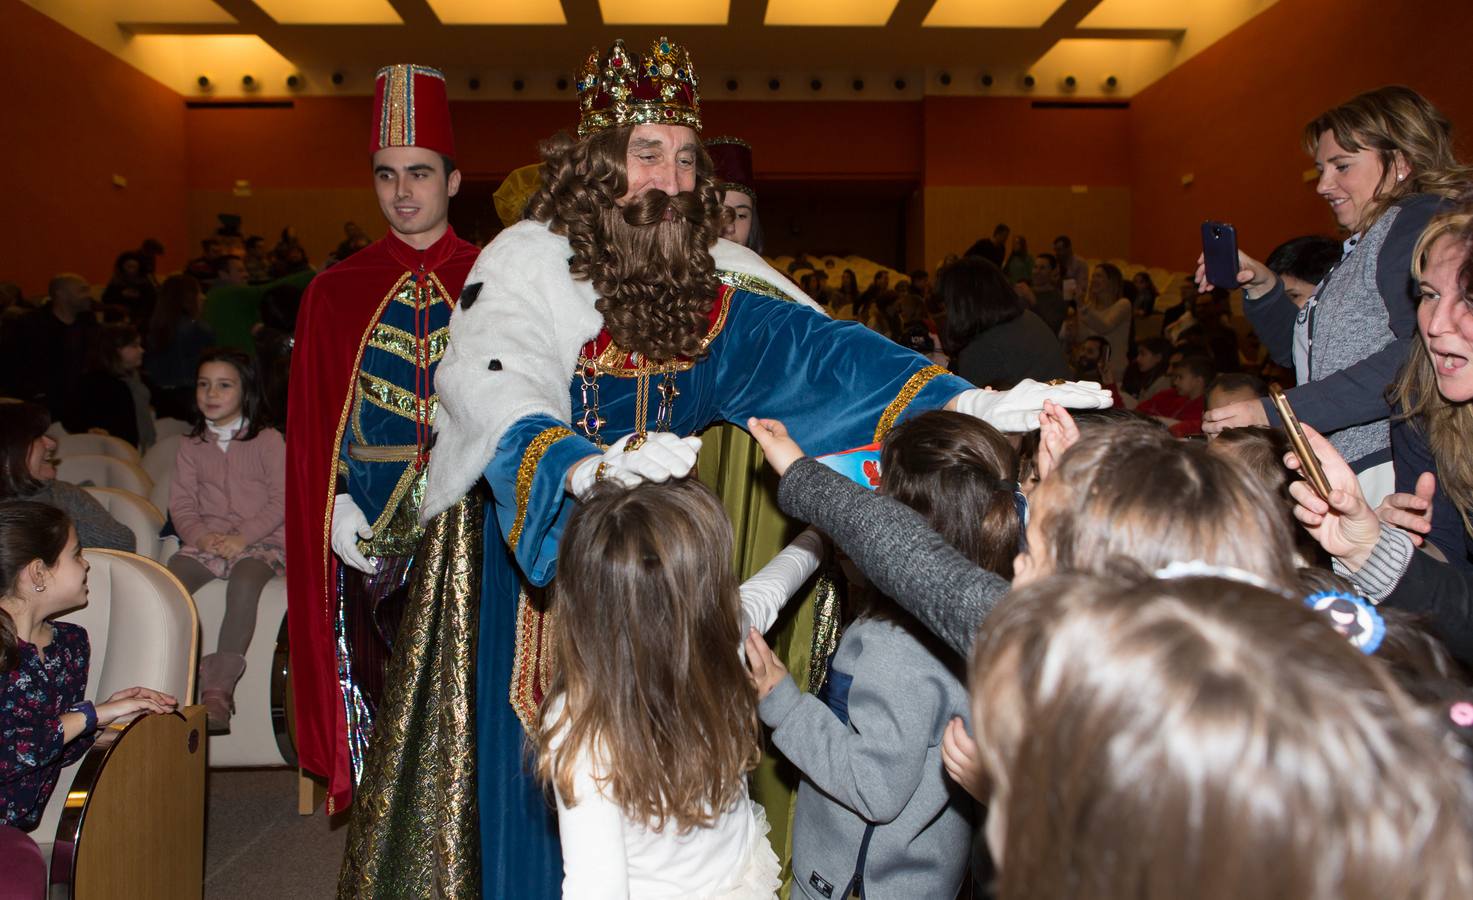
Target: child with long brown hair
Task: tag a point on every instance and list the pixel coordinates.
(650, 725)
(875, 810)
(1204, 737)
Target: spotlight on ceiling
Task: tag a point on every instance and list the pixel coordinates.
(944, 78)
(338, 78)
(732, 84)
(204, 82)
(1070, 82)
(773, 84)
(900, 84)
(518, 84)
(1029, 81)
(859, 84)
(293, 81)
(474, 84)
(987, 80)
(248, 82)
(816, 84)
(1112, 82)
(562, 84)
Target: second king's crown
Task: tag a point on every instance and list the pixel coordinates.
(619, 89)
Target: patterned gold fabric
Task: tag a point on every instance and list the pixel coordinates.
(415, 830)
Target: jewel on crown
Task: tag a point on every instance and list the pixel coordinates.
(620, 89)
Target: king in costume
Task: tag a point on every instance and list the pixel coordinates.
(370, 334)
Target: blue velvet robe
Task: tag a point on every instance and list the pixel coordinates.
(836, 385)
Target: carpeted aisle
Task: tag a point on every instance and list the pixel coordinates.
(256, 846)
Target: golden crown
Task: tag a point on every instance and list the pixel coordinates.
(619, 89)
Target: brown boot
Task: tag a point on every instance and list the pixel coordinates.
(218, 673)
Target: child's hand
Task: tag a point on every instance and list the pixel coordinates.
(772, 436)
(766, 669)
(230, 546)
(963, 761)
(1056, 433)
(209, 541)
(132, 701)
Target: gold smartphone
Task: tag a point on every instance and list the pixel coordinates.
(1309, 464)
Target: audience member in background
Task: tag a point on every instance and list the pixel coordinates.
(920, 283)
(1181, 407)
(207, 265)
(1386, 166)
(131, 288)
(149, 252)
(1107, 314)
(275, 338)
(875, 807)
(28, 472)
(1432, 433)
(232, 307)
(228, 502)
(647, 734)
(1073, 274)
(1150, 372)
(847, 294)
(353, 240)
(46, 351)
(821, 288)
(992, 337)
(1186, 301)
(1234, 387)
(1217, 335)
(1145, 293)
(45, 717)
(176, 337)
(1302, 263)
(258, 266)
(288, 257)
(1048, 302)
(111, 397)
(1019, 266)
(1308, 774)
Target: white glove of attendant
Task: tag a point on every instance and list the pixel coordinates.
(1017, 410)
(663, 456)
(348, 525)
(766, 593)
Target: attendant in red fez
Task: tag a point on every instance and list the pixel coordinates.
(370, 333)
(732, 160)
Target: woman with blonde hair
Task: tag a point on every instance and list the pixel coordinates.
(1386, 167)
(1108, 314)
(1205, 737)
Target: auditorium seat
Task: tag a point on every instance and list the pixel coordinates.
(104, 471)
(258, 734)
(166, 427)
(144, 630)
(96, 445)
(133, 826)
(158, 462)
(142, 517)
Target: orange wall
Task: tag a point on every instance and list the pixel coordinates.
(76, 116)
(1005, 141)
(1232, 116)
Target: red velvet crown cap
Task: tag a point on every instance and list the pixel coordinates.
(411, 109)
(732, 159)
(619, 88)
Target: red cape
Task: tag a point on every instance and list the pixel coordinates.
(338, 310)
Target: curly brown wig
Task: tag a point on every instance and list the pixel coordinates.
(655, 279)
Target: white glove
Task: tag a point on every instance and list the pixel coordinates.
(348, 525)
(663, 456)
(1017, 410)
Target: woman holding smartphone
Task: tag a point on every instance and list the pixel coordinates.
(1386, 167)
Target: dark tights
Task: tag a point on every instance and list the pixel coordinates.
(242, 592)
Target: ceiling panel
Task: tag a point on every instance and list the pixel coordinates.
(330, 12)
(194, 12)
(829, 12)
(664, 12)
(1138, 14)
(500, 12)
(990, 13)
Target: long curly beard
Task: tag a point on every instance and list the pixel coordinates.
(655, 276)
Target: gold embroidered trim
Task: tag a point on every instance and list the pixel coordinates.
(330, 595)
(526, 472)
(389, 396)
(405, 345)
(908, 393)
(611, 361)
(406, 481)
(531, 668)
(753, 285)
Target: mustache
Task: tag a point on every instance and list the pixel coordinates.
(650, 208)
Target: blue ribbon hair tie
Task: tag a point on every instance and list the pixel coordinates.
(1354, 617)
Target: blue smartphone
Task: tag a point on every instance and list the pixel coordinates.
(1220, 254)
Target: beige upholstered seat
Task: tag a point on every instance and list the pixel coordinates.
(258, 729)
(158, 462)
(96, 445)
(169, 427)
(143, 629)
(142, 517)
(104, 471)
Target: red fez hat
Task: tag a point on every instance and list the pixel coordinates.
(411, 109)
(732, 159)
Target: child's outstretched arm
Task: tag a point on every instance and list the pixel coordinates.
(895, 707)
(895, 548)
(766, 593)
